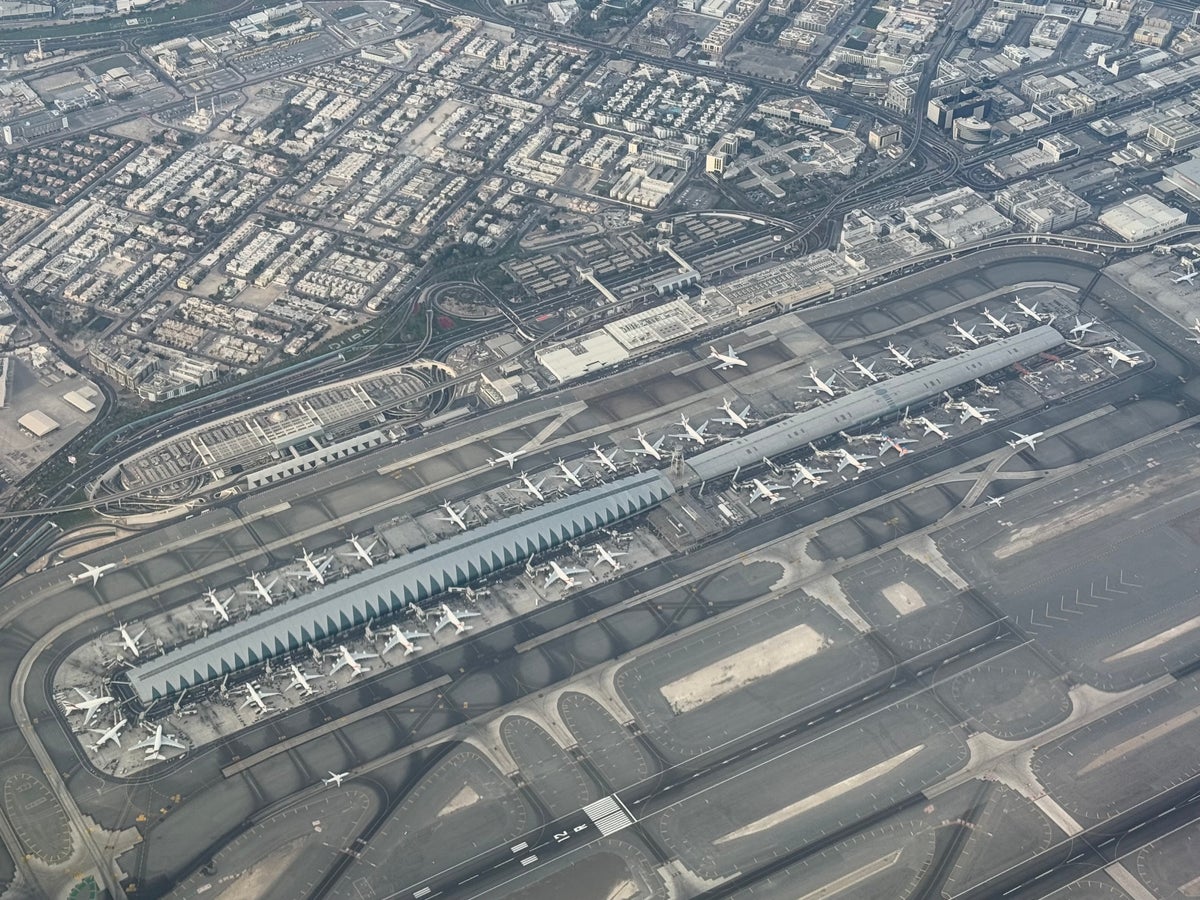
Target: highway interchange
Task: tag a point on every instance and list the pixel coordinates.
(554, 710)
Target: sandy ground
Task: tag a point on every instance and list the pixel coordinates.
(744, 667)
(812, 801)
(464, 798)
(626, 890)
(1157, 641)
(259, 879)
(903, 597)
(1136, 743)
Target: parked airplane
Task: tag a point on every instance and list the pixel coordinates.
(892, 443)
(1000, 324)
(605, 556)
(605, 459)
(88, 705)
(92, 572)
(1028, 311)
(1083, 328)
(818, 385)
(502, 457)
(217, 605)
(130, 643)
(934, 428)
(401, 638)
(302, 681)
(452, 516)
(533, 490)
(768, 492)
(846, 458)
(726, 360)
(364, 553)
(262, 591)
(112, 735)
(735, 418)
(647, 448)
(346, 659)
(967, 411)
(454, 618)
(967, 334)
(690, 433)
(257, 698)
(153, 745)
(1120, 356)
(1186, 276)
(993, 501)
(866, 371)
(558, 573)
(569, 474)
(804, 473)
(316, 570)
(335, 778)
(902, 357)
(1028, 440)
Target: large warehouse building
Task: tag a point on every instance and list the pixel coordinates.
(421, 576)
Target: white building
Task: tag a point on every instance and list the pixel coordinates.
(1141, 218)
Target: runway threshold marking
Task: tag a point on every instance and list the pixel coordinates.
(329, 727)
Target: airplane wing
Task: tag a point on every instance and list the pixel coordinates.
(146, 744)
(169, 741)
(338, 666)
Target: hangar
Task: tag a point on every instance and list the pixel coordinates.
(388, 587)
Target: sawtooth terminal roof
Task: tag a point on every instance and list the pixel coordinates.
(871, 402)
(387, 587)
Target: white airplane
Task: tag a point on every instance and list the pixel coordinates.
(316, 570)
(1187, 276)
(998, 323)
(822, 387)
(568, 474)
(558, 573)
(92, 572)
(130, 642)
(934, 428)
(1120, 356)
(972, 412)
(605, 459)
(1028, 440)
(967, 334)
(846, 458)
(735, 418)
(810, 476)
(893, 443)
(768, 492)
(153, 745)
(88, 705)
(401, 638)
(335, 778)
(364, 553)
(450, 617)
(453, 516)
(690, 433)
(1083, 328)
(533, 490)
(993, 501)
(112, 735)
(1195, 328)
(605, 556)
(262, 591)
(866, 371)
(1028, 311)
(647, 448)
(502, 457)
(302, 681)
(217, 605)
(346, 659)
(726, 360)
(257, 698)
(900, 356)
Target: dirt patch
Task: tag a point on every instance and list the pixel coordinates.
(903, 597)
(464, 798)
